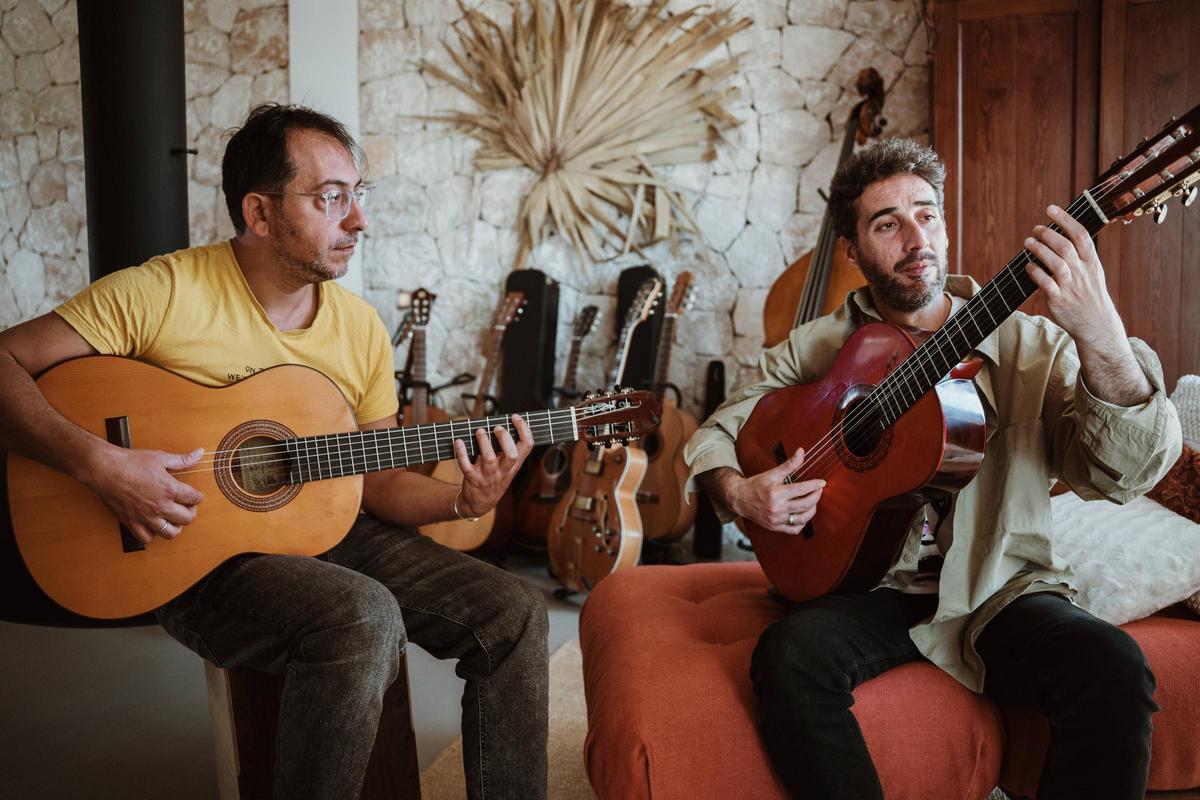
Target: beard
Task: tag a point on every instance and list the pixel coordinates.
(902, 294)
(305, 260)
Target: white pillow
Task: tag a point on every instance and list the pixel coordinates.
(1130, 561)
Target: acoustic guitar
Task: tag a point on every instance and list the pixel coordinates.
(494, 526)
(550, 475)
(666, 516)
(596, 528)
(892, 423)
(282, 472)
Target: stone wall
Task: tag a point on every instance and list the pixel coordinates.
(438, 223)
(235, 56)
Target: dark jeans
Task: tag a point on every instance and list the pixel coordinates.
(335, 626)
(1041, 652)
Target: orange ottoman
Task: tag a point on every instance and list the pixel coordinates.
(671, 712)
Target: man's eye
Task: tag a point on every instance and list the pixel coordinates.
(333, 196)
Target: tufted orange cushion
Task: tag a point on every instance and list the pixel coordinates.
(671, 713)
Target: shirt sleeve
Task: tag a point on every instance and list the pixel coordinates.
(1105, 451)
(712, 445)
(121, 314)
(379, 397)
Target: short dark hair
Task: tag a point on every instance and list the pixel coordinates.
(256, 157)
(878, 162)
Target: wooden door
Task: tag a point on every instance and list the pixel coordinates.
(1015, 108)
(1149, 71)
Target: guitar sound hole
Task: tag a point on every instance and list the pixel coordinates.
(260, 466)
(862, 431)
(555, 461)
(651, 445)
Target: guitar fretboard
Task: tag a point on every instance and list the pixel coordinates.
(314, 458)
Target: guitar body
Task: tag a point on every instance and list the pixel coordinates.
(457, 534)
(549, 479)
(665, 514)
(596, 527)
(872, 488)
(72, 543)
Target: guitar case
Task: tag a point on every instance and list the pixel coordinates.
(528, 349)
(643, 343)
(706, 536)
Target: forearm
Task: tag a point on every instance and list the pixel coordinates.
(1110, 369)
(720, 484)
(408, 498)
(29, 425)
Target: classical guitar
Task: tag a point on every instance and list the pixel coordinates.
(282, 472)
(665, 514)
(550, 476)
(493, 527)
(893, 422)
(596, 528)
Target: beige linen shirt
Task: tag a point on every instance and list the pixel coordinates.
(1047, 425)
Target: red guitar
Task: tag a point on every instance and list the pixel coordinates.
(893, 422)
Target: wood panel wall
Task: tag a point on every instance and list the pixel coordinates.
(1032, 100)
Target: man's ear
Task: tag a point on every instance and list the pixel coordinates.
(257, 211)
(850, 251)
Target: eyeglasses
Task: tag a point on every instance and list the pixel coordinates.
(337, 201)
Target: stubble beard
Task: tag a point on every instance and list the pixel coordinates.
(891, 288)
(314, 266)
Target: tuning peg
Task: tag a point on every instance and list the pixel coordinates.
(1160, 214)
(1189, 195)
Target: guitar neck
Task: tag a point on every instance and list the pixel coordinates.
(662, 364)
(973, 323)
(420, 386)
(492, 352)
(572, 364)
(314, 458)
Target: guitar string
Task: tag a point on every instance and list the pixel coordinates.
(343, 453)
(816, 457)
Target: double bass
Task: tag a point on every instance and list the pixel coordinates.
(819, 281)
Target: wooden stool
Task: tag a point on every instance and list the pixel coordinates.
(245, 708)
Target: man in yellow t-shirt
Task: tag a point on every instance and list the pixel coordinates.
(334, 624)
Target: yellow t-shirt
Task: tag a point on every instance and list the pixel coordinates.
(192, 312)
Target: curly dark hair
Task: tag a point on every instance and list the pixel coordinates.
(880, 161)
(256, 157)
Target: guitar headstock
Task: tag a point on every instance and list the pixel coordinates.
(643, 303)
(1163, 166)
(617, 417)
(510, 306)
(681, 295)
(584, 321)
(422, 303)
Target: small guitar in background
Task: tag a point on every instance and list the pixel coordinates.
(666, 516)
(491, 530)
(550, 475)
(596, 528)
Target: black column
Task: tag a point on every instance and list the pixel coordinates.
(134, 130)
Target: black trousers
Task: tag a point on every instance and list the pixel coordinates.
(1041, 652)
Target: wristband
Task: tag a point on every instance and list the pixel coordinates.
(458, 513)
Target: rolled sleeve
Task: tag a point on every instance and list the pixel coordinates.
(1126, 450)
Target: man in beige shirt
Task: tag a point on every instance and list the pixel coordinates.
(977, 588)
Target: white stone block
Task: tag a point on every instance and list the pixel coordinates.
(400, 205)
(772, 195)
(66, 22)
(379, 151)
(10, 168)
(907, 110)
(799, 235)
(63, 279)
(203, 79)
(27, 29)
(815, 179)
(791, 138)
(918, 53)
(387, 52)
(891, 22)
(27, 155)
(259, 41)
(756, 48)
(748, 313)
(774, 90)
(51, 230)
(270, 87)
(501, 193)
(27, 280)
(721, 212)
(50, 6)
(755, 257)
(389, 105)
(206, 45)
(864, 51)
(70, 144)
(59, 105)
(31, 73)
(63, 63)
(16, 113)
(231, 102)
(406, 261)
(48, 184)
(826, 13)
(17, 205)
(451, 205)
(222, 14)
(809, 50)
(376, 15)
(8, 68)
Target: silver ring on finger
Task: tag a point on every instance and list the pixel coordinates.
(162, 528)
(791, 520)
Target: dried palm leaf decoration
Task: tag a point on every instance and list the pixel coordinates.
(592, 105)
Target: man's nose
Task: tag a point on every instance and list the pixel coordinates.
(915, 236)
(356, 220)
